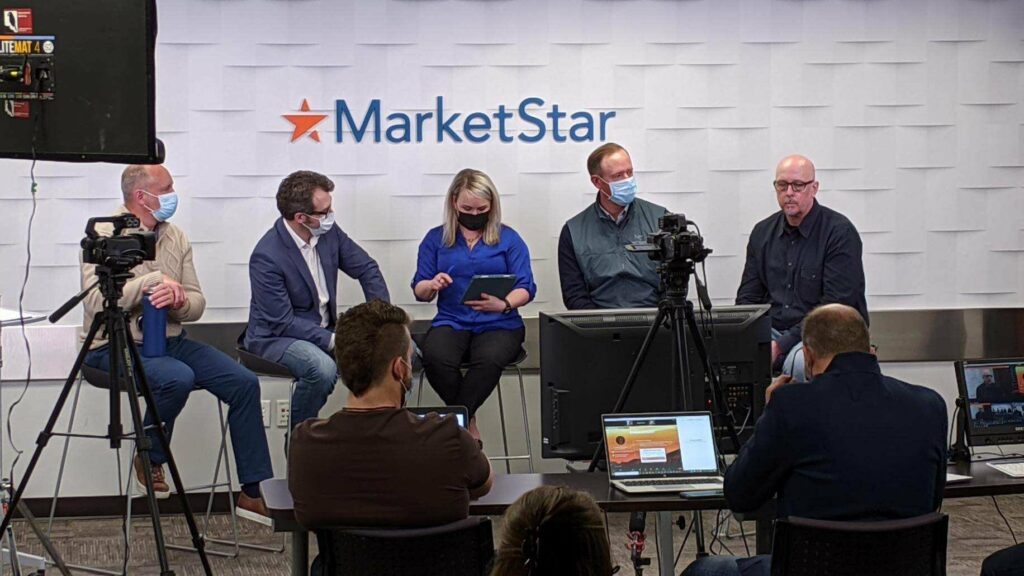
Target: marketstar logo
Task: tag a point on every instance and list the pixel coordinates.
(529, 121)
(304, 123)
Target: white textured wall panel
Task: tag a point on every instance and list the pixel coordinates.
(911, 109)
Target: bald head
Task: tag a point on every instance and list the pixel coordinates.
(834, 329)
(141, 187)
(802, 165)
(795, 187)
(140, 177)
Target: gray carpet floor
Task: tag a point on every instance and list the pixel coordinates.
(976, 530)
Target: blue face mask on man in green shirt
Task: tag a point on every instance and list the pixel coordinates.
(623, 192)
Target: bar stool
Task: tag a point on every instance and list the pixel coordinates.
(263, 367)
(99, 379)
(222, 461)
(507, 458)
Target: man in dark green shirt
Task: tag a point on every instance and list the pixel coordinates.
(595, 269)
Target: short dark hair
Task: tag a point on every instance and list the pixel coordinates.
(295, 194)
(597, 156)
(834, 329)
(367, 338)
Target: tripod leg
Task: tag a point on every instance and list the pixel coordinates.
(698, 533)
(179, 486)
(721, 407)
(43, 539)
(123, 347)
(682, 362)
(47, 432)
(631, 379)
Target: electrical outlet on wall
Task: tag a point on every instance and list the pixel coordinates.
(284, 412)
(265, 411)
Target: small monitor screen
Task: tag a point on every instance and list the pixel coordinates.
(653, 445)
(994, 393)
(459, 412)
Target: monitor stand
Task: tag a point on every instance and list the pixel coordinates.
(959, 452)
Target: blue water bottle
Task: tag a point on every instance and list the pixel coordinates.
(154, 329)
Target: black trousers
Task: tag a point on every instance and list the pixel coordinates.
(446, 350)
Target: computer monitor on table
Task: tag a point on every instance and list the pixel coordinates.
(992, 395)
(585, 357)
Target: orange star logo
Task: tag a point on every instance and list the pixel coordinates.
(304, 122)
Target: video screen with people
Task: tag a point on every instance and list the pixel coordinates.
(995, 393)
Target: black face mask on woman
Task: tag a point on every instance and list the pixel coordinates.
(474, 222)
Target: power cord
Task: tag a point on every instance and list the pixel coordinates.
(686, 537)
(952, 426)
(21, 313)
(1005, 521)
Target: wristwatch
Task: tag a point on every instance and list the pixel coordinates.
(508, 306)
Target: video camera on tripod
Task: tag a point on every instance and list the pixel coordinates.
(117, 252)
(674, 242)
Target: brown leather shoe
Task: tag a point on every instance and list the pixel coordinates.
(160, 488)
(252, 509)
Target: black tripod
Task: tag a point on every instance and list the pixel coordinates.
(677, 310)
(126, 374)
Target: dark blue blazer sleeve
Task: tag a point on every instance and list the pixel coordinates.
(357, 264)
(575, 295)
(271, 305)
(763, 462)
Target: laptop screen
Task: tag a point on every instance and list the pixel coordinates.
(460, 412)
(660, 445)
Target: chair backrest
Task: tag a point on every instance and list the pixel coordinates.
(463, 548)
(911, 547)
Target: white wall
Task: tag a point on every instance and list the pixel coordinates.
(912, 110)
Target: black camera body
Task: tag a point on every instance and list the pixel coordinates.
(674, 242)
(117, 252)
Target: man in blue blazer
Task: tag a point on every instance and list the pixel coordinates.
(293, 272)
(850, 444)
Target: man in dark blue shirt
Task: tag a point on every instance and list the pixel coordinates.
(801, 257)
(852, 444)
(594, 267)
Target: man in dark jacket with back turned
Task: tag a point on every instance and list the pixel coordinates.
(851, 444)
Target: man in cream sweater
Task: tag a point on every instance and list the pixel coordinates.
(170, 282)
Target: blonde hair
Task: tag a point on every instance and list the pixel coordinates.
(478, 185)
(552, 530)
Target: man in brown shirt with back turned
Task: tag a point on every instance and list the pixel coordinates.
(375, 463)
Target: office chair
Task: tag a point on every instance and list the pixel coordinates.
(463, 548)
(910, 547)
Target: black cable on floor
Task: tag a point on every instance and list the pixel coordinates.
(1005, 521)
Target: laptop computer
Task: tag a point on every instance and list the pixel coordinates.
(661, 452)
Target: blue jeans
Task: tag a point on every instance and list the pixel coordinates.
(730, 566)
(793, 363)
(191, 365)
(316, 373)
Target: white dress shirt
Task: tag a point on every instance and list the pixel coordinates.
(316, 270)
